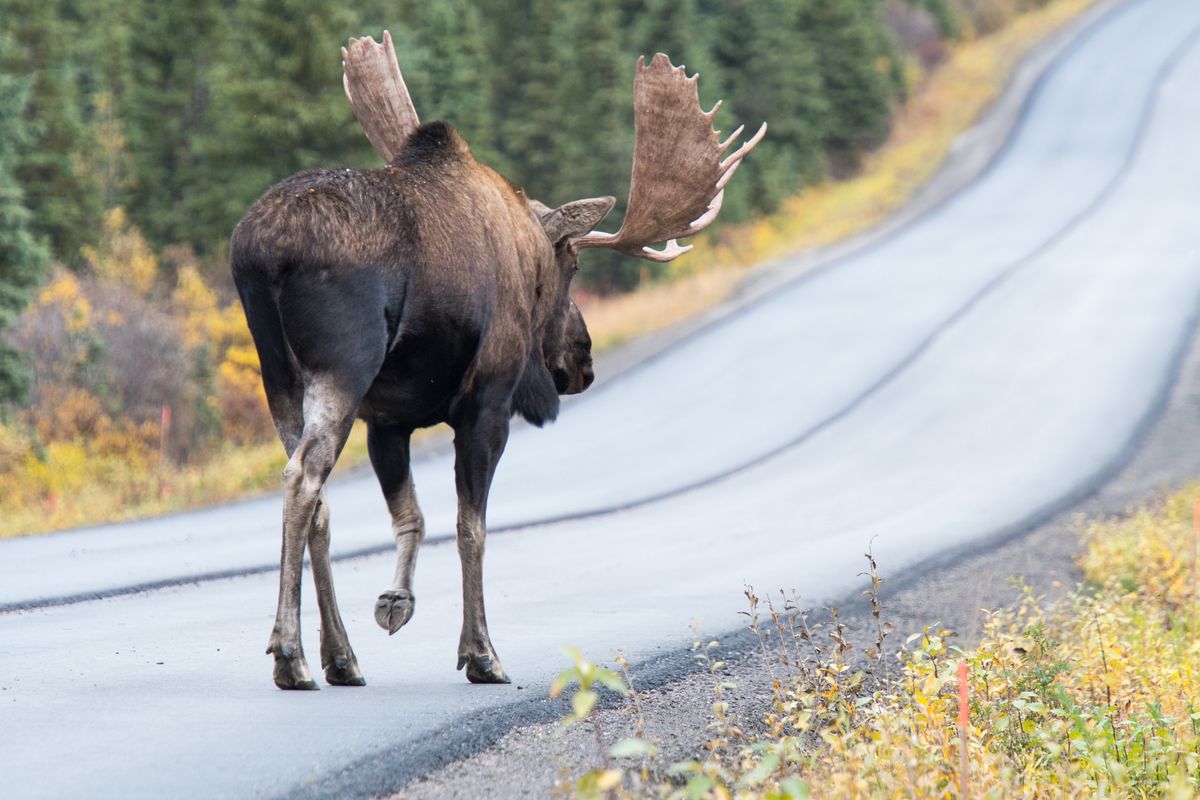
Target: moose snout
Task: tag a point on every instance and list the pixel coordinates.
(573, 381)
(583, 379)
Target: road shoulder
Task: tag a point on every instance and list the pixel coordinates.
(531, 761)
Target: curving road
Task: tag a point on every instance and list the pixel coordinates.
(962, 377)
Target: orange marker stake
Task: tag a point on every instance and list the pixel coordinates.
(964, 719)
(1195, 556)
(164, 430)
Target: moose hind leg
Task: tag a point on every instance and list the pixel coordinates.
(478, 445)
(328, 415)
(337, 657)
(389, 450)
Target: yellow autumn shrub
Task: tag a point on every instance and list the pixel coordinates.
(222, 331)
(63, 293)
(240, 397)
(195, 305)
(1095, 696)
(68, 412)
(123, 256)
(13, 447)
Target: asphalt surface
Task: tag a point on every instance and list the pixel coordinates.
(986, 365)
(674, 710)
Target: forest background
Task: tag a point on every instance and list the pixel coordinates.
(135, 133)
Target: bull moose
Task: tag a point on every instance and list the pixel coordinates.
(433, 290)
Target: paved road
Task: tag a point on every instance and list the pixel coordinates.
(986, 365)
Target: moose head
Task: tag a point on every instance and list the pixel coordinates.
(676, 191)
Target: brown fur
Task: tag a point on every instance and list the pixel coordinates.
(428, 291)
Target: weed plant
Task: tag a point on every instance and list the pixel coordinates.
(1095, 696)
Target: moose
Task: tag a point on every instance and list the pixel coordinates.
(433, 290)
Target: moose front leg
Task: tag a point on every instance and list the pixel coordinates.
(389, 451)
(478, 444)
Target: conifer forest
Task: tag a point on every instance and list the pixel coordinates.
(135, 133)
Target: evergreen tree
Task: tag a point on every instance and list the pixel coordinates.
(451, 64)
(102, 75)
(943, 15)
(594, 105)
(504, 33)
(676, 28)
(63, 199)
(103, 28)
(167, 116)
(769, 63)
(846, 35)
(887, 56)
(279, 105)
(22, 257)
(525, 97)
(185, 112)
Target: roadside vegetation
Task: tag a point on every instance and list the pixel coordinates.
(128, 382)
(1097, 695)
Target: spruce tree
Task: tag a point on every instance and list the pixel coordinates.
(594, 106)
(102, 75)
(886, 52)
(769, 63)
(675, 27)
(279, 104)
(167, 116)
(22, 257)
(63, 199)
(525, 96)
(103, 29)
(847, 38)
(185, 112)
(943, 15)
(449, 70)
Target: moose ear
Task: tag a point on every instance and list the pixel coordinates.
(575, 218)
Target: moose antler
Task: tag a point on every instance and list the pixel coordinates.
(378, 95)
(678, 178)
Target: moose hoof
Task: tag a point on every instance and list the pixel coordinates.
(393, 609)
(483, 668)
(292, 673)
(343, 670)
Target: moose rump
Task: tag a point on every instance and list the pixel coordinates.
(385, 282)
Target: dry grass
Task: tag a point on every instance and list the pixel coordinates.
(1096, 697)
(113, 490)
(615, 320)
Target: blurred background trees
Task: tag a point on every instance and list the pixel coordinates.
(135, 133)
(183, 112)
(22, 255)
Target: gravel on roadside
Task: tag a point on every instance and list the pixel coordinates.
(530, 762)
